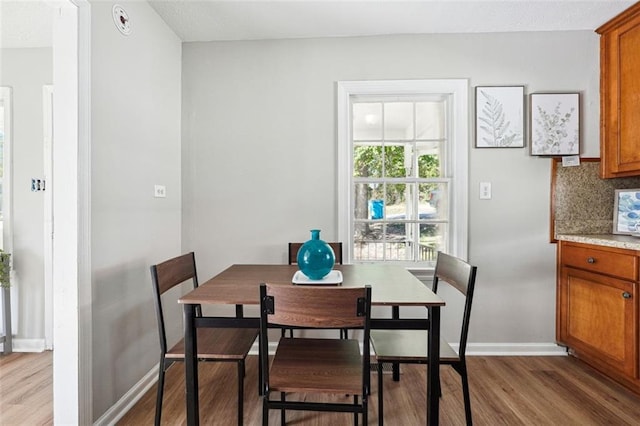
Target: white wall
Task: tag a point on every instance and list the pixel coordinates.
(259, 155)
(26, 71)
(135, 120)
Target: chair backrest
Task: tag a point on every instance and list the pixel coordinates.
(165, 276)
(294, 247)
(316, 307)
(461, 276)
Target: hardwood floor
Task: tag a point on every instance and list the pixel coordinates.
(26, 389)
(504, 391)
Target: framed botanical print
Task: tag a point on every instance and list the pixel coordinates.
(555, 123)
(499, 116)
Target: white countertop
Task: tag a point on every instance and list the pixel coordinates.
(609, 240)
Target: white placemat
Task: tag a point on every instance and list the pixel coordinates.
(332, 278)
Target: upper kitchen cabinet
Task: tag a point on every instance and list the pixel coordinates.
(620, 95)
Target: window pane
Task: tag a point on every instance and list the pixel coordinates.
(433, 238)
(433, 201)
(368, 202)
(429, 155)
(398, 121)
(430, 241)
(395, 201)
(367, 161)
(398, 249)
(367, 121)
(395, 162)
(367, 249)
(430, 120)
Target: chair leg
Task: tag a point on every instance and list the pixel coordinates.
(265, 410)
(380, 397)
(465, 392)
(365, 410)
(241, 372)
(283, 419)
(160, 392)
(355, 414)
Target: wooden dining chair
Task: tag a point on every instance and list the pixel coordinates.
(293, 260)
(410, 346)
(214, 344)
(315, 365)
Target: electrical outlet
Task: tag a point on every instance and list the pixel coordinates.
(159, 191)
(485, 190)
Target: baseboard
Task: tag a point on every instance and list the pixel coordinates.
(128, 400)
(482, 349)
(28, 345)
(515, 349)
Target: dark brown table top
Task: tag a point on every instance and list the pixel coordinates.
(239, 285)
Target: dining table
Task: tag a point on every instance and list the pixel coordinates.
(391, 285)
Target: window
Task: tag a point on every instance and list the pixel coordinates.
(403, 148)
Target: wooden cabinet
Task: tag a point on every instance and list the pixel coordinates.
(597, 308)
(620, 94)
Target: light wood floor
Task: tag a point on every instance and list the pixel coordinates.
(504, 391)
(26, 389)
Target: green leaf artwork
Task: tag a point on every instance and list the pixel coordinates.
(555, 131)
(494, 128)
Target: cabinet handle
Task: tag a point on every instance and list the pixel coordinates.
(626, 295)
(591, 260)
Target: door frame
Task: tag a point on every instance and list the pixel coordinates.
(47, 119)
(7, 212)
(72, 321)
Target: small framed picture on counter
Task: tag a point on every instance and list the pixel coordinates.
(626, 212)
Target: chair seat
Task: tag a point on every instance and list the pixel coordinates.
(219, 343)
(407, 345)
(317, 365)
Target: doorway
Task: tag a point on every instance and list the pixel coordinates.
(6, 240)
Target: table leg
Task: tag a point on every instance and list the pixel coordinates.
(191, 365)
(395, 366)
(433, 371)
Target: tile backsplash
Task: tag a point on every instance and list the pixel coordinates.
(583, 201)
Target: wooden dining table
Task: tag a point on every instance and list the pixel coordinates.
(238, 285)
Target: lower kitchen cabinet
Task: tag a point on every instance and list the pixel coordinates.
(597, 308)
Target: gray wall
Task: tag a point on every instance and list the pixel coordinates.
(26, 71)
(135, 120)
(259, 155)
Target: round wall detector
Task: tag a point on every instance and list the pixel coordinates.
(121, 19)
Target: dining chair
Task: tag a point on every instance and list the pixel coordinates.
(315, 365)
(293, 260)
(410, 346)
(214, 344)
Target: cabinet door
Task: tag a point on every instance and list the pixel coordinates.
(598, 318)
(620, 98)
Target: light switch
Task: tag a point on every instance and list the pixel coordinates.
(159, 191)
(485, 190)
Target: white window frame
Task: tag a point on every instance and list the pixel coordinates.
(458, 90)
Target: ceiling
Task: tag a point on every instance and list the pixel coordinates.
(27, 23)
(267, 19)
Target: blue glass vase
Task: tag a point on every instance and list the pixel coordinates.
(316, 257)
